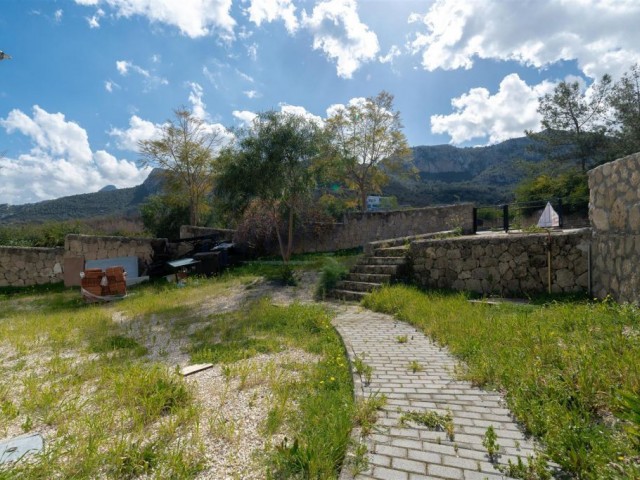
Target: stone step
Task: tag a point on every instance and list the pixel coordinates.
(383, 261)
(357, 286)
(369, 277)
(376, 269)
(348, 295)
(391, 251)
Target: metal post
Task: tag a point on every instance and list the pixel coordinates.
(505, 217)
(475, 220)
(560, 215)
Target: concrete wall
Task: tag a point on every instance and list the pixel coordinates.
(358, 229)
(503, 263)
(614, 210)
(30, 266)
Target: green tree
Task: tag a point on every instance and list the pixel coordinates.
(272, 161)
(574, 124)
(185, 151)
(163, 215)
(625, 101)
(368, 144)
(571, 186)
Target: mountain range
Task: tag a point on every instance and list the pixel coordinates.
(446, 174)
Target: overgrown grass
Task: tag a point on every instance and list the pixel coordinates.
(68, 370)
(317, 407)
(71, 371)
(271, 267)
(565, 368)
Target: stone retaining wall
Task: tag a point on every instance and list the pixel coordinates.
(21, 266)
(358, 229)
(503, 263)
(614, 210)
(93, 248)
(189, 231)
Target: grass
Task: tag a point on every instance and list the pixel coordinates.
(316, 407)
(569, 369)
(108, 410)
(432, 420)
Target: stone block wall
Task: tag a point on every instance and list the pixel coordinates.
(614, 211)
(189, 231)
(503, 264)
(21, 266)
(358, 229)
(94, 248)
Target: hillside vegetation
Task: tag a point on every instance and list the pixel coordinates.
(446, 174)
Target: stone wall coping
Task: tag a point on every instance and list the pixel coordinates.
(606, 167)
(73, 236)
(356, 215)
(32, 249)
(500, 237)
(410, 238)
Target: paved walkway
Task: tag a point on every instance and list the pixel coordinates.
(414, 452)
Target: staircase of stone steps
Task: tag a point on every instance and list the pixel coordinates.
(385, 265)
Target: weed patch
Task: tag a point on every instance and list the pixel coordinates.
(432, 420)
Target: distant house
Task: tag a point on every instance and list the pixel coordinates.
(376, 203)
(373, 203)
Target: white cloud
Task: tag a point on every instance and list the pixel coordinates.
(252, 51)
(301, 111)
(271, 10)
(394, 52)
(151, 81)
(339, 33)
(138, 130)
(194, 18)
(478, 114)
(251, 93)
(124, 66)
(245, 77)
(60, 161)
(244, 116)
(337, 107)
(57, 16)
(94, 21)
(198, 107)
(110, 86)
(602, 36)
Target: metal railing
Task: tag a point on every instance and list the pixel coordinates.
(516, 216)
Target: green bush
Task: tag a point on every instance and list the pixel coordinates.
(332, 272)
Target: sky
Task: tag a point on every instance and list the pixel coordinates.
(88, 79)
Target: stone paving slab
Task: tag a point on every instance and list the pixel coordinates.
(413, 452)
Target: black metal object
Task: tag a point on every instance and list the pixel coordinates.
(475, 220)
(505, 217)
(209, 264)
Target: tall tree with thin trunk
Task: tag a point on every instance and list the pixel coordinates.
(574, 123)
(625, 102)
(367, 135)
(186, 151)
(272, 163)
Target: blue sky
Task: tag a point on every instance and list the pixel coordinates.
(88, 79)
